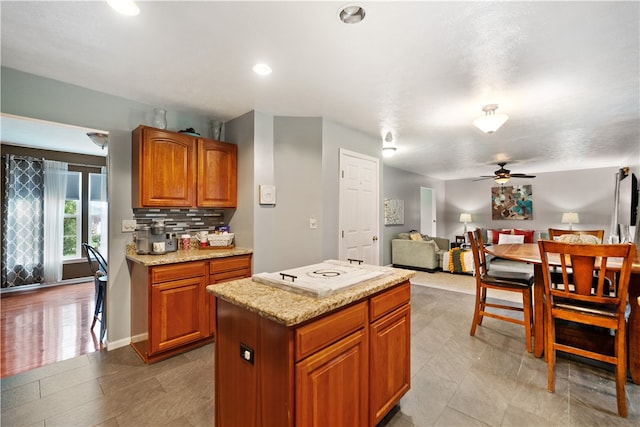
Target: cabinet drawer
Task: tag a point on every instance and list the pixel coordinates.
(388, 301)
(230, 263)
(166, 273)
(322, 332)
(229, 275)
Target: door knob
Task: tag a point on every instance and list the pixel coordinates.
(375, 238)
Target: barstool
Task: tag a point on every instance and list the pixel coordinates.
(100, 279)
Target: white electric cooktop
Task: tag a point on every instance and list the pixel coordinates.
(323, 279)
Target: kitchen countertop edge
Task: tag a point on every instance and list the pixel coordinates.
(291, 308)
(185, 256)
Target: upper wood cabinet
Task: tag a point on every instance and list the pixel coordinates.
(171, 169)
(217, 185)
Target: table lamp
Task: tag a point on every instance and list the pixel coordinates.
(570, 218)
(465, 217)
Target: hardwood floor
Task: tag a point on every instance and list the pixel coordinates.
(46, 326)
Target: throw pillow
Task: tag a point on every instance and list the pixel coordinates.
(528, 235)
(404, 236)
(510, 238)
(495, 234)
(437, 248)
(415, 236)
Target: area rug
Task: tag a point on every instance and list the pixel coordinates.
(463, 283)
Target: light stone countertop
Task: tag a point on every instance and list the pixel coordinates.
(290, 308)
(192, 254)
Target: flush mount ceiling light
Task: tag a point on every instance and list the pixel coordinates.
(262, 69)
(125, 7)
(490, 122)
(99, 138)
(351, 14)
(388, 146)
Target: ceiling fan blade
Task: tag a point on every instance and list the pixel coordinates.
(521, 175)
(483, 178)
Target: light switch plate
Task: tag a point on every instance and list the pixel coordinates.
(267, 194)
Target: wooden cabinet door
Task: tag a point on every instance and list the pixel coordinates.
(332, 384)
(217, 174)
(178, 313)
(166, 168)
(390, 361)
(225, 270)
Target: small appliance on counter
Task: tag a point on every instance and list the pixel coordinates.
(141, 238)
(155, 240)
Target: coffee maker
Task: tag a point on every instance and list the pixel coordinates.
(155, 240)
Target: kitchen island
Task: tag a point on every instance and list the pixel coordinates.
(171, 311)
(289, 359)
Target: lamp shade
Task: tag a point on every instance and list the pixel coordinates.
(465, 217)
(570, 218)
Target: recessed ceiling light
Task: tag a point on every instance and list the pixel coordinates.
(126, 7)
(262, 69)
(351, 14)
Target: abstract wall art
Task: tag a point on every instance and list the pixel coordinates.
(512, 202)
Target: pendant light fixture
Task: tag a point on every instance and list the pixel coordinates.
(99, 138)
(490, 122)
(125, 7)
(388, 146)
(351, 14)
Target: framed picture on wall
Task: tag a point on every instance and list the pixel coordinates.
(512, 202)
(393, 212)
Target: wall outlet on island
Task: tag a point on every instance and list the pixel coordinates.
(128, 225)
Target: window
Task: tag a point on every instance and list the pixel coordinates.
(97, 208)
(72, 234)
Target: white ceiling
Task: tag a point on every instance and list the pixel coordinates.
(567, 73)
(33, 133)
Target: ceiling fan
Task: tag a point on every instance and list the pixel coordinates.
(502, 175)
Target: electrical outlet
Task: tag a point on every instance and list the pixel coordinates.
(246, 353)
(128, 225)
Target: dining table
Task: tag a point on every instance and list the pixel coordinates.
(530, 253)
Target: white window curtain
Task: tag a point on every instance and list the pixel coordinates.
(104, 219)
(55, 191)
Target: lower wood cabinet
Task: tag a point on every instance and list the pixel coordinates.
(169, 309)
(330, 384)
(224, 270)
(179, 313)
(346, 368)
(390, 374)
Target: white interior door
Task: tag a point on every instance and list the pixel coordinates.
(428, 211)
(359, 208)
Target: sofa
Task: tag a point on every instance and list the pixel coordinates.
(465, 263)
(420, 252)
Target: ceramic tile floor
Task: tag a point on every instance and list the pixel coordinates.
(457, 380)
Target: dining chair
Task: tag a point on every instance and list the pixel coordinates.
(506, 281)
(555, 233)
(98, 266)
(574, 299)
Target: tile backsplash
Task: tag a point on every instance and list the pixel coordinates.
(182, 220)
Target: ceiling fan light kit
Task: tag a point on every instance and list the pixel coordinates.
(502, 175)
(490, 122)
